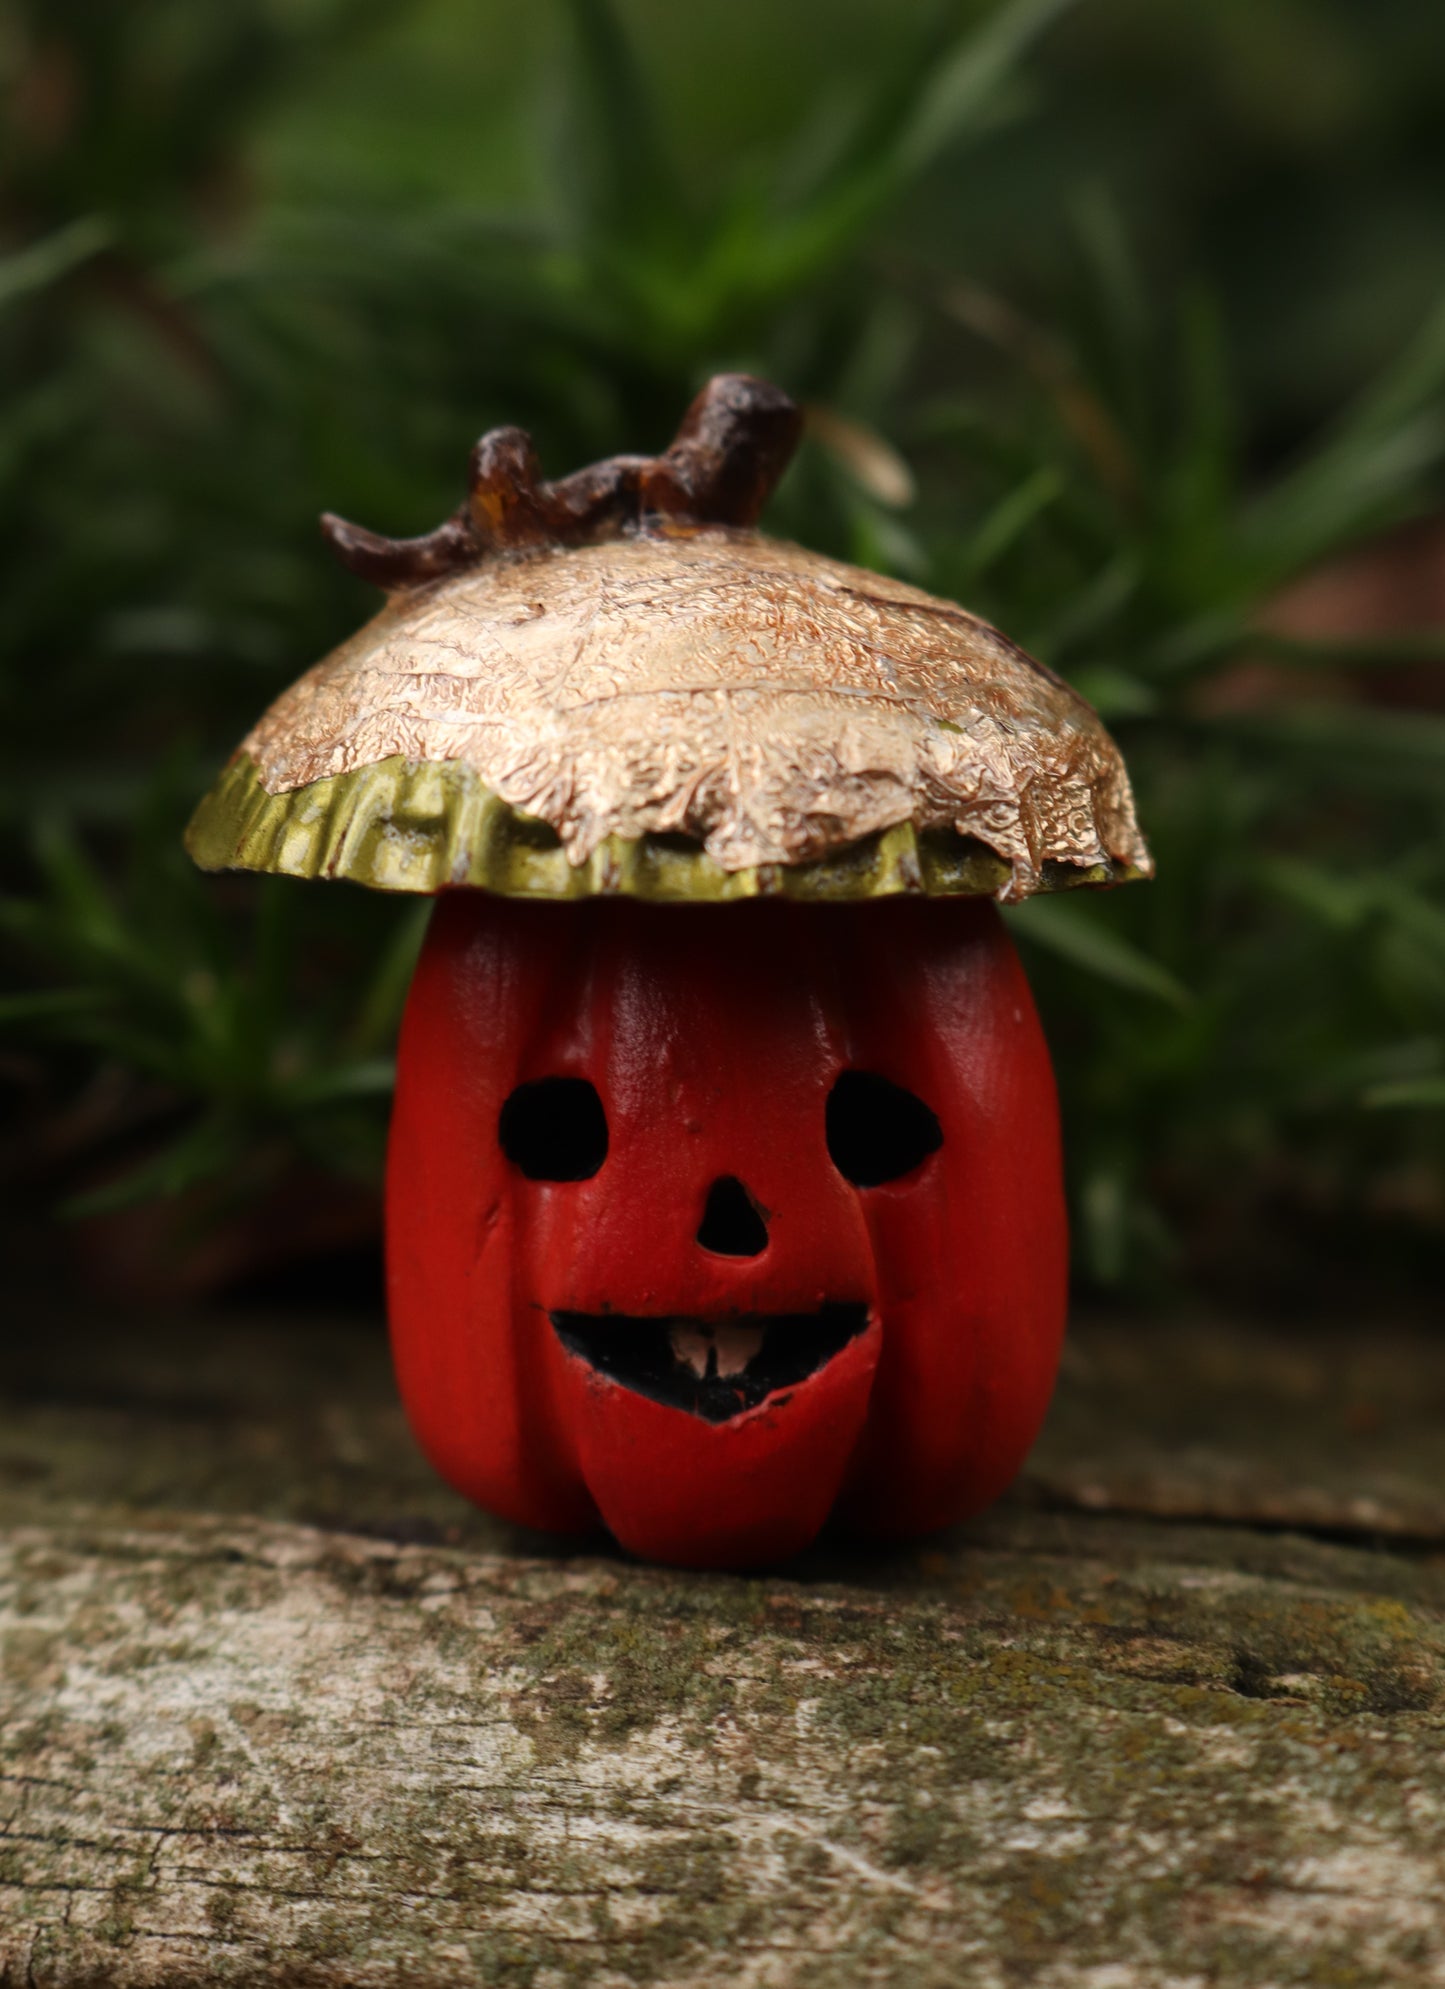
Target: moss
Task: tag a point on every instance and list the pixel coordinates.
(221, 1911)
(1103, 1741)
(27, 1654)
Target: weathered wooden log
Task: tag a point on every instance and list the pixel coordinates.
(277, 1709)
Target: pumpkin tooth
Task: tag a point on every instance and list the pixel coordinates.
(712, 1351)
(736, 1347)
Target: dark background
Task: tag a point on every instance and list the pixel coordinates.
(1123, 323)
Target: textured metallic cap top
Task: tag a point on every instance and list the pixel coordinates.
(613, 683)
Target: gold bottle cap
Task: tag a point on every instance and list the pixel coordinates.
(613, 683)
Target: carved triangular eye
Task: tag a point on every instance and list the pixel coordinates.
(554, 1129)
(878, 1131)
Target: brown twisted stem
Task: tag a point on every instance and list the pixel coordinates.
(734, 443)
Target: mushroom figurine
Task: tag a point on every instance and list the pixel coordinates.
(724, 1190)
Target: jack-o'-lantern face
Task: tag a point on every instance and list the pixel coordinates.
(710, 1222)
(724, 1189)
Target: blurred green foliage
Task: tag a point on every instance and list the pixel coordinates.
(1111, 322)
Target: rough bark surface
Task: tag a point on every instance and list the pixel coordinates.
(276, 1709)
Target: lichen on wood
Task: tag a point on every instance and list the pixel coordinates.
(245, 1742)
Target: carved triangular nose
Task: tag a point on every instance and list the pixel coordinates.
(731, 1225)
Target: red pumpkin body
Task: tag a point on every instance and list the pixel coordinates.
(897, 1293)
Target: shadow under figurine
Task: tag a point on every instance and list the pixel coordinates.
(724, 1183)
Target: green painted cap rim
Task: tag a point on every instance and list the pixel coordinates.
(404, 825)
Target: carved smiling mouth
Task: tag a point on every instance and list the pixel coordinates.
(713, 1368)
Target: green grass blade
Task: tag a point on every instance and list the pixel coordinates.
(1010, 519)
(50, 1005)
(47, 261)
(963, 83)
(630, 178)
(371, 1077)
(1368, 473)
(1085, 941)
(384, 996)
(1420, 1094)
(202, 1152)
